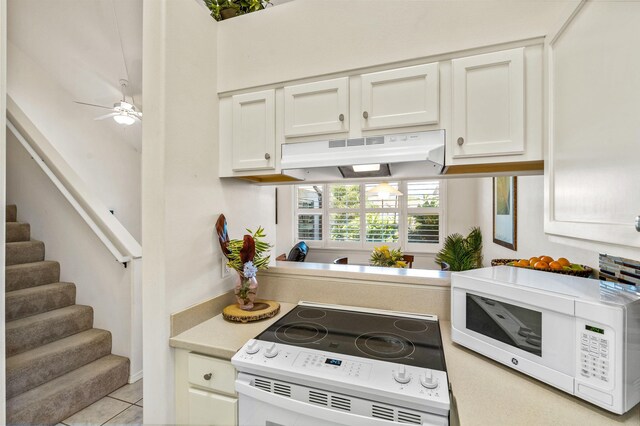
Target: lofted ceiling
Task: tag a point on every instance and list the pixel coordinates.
(87, 46)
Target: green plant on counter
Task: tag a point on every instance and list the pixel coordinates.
(462, 253)
(223, 9)
(239, 254)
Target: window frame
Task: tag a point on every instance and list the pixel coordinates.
(403, 213)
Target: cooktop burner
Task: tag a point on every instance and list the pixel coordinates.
(369, 335)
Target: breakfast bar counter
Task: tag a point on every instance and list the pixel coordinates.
(485, 392)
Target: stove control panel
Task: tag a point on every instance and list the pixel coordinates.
(334, 365)
(352, 374)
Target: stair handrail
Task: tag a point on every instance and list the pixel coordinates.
(122, 245)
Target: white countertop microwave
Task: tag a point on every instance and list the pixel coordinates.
(577, 334)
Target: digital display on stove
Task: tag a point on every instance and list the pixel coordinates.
(332, 361)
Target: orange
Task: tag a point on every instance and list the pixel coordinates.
(547, 259)
(555, 265)
(541, 265)
(564, 262)
(534, 260)
(523, 262)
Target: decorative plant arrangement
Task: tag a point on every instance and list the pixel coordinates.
(382, 256)
(225, 9)
(247, 257)
(462, 253)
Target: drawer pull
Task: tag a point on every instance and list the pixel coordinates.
(208, 376)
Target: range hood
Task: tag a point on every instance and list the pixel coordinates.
(400, 156)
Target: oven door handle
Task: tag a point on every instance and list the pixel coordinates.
(243, 386)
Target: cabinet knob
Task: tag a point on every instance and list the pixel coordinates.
(341, 117)
(365, 115)
(208, 376)
(460, 141)
(638, 223)
(267, 156)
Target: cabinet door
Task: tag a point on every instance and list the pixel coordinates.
(488, 104)
(206, 408)
(317, 108)
(400, 97)
(592, 170)
(254, 135)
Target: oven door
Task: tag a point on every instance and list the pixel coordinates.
(513, 328)
(258, 407)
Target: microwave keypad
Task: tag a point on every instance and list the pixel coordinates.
(594, 356)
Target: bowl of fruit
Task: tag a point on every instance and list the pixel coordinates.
(547, 264)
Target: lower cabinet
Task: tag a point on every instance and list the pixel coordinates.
(205, 390)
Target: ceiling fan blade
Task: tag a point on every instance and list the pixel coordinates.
(102, 117)
(93, 105)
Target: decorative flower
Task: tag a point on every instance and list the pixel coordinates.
(382, 256)
(249, 270)
(248, 255)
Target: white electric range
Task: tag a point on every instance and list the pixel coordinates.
(339, 365)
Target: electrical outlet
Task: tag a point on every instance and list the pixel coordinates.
(225, 270)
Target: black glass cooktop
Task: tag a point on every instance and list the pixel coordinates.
(388, 338)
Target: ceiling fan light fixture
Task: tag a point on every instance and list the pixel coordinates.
(384, 190)
(124, 118)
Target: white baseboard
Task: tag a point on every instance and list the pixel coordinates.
(135, 377)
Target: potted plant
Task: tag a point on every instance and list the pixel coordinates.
(246, 256)
(461, 253)
(225, 9)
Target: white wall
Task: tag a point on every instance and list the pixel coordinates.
(182, 194)
(531, 238)
(100, 281)
(308, 38)
(460, 216)
(98, 151)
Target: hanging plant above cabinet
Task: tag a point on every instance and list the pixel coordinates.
(225, 9)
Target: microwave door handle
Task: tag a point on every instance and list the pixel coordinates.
(243, 386)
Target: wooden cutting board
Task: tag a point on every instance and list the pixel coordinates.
(262, 309)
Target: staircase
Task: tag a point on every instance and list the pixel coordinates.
(57, 363)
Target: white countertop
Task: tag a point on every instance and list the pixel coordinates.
(487, 393)
(362, 272)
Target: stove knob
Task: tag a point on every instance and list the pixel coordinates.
(271, 351)
(401, 375)
(252, 348)
(428, 381)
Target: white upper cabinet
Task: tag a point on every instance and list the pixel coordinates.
(254, 136)
(488, 104)
(317, 108)
(400, 97)
(593, 166)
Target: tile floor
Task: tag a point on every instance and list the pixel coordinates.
(121, 407)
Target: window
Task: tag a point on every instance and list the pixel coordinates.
(350, 217)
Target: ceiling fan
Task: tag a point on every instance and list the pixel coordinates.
(123, 112)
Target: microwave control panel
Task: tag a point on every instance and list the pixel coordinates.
(595, 343)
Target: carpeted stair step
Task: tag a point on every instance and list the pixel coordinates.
(37, 366)
(58, 399)
(17, 231)
(12, 213)
(36, 300)
(28, 275)
(24, 252)
(28, 333)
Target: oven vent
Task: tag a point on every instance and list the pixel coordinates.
(404, 417)
(318, 398)
(282, 389)
(340, 403)
(262, 384)
(382, 412)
